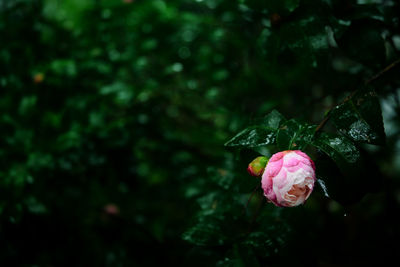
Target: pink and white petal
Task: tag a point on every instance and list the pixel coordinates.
(306, 159)
(274, 167)
(281, 179)
(266, 183)
(277, 156)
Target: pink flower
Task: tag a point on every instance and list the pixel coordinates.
(289, 178)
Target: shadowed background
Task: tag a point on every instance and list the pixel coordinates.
(114, 115)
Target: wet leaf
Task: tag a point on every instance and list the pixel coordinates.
(253, 136)
(342, 168)
(360, 118)
(273, 119)
(337, 147)
(258, 135)
(307, 39)
(294, 135)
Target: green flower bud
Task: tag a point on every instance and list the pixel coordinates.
(257, 166)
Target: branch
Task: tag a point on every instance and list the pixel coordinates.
(379, 74)
(251, 196)
(323, 122)
(257, 212)
(367, 82)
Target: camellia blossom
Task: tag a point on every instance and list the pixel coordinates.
(289, 178)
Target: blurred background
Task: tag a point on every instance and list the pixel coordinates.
(114, 115)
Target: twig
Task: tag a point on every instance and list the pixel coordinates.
(327, 117)
(253, 220)
(248, 201)
(379, 74)
(322, 123)
(370, 80)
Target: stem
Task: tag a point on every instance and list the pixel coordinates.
(322, 123)
(379, 74)
(367, 82)
(248, 201)
(253, 220)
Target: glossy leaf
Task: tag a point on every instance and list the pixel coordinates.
(294, 135)
(338, 148)
(341, 168)
(360, 118)
(307, 39)
(345, 173)
(253, 136)
(273, 119)
(258, 135)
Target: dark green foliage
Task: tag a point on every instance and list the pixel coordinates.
(253, 136)
(360, 118)
(114, 115)
(259, 135)
(338, 148)
(362, 37)
(294, 135)
(282, 7)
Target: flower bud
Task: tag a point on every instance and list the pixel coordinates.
(289, 178)
(257, 166)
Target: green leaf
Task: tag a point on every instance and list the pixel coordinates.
(294, 135)
(337, 147)
(258, 135)
(373, 11)
(306, 40)
(341, 168)
(363, 42)
(273, 119)
(207, 231)
(253, 136)
(291, 4)
(283, 6)
(360, 118)
(345, 170)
